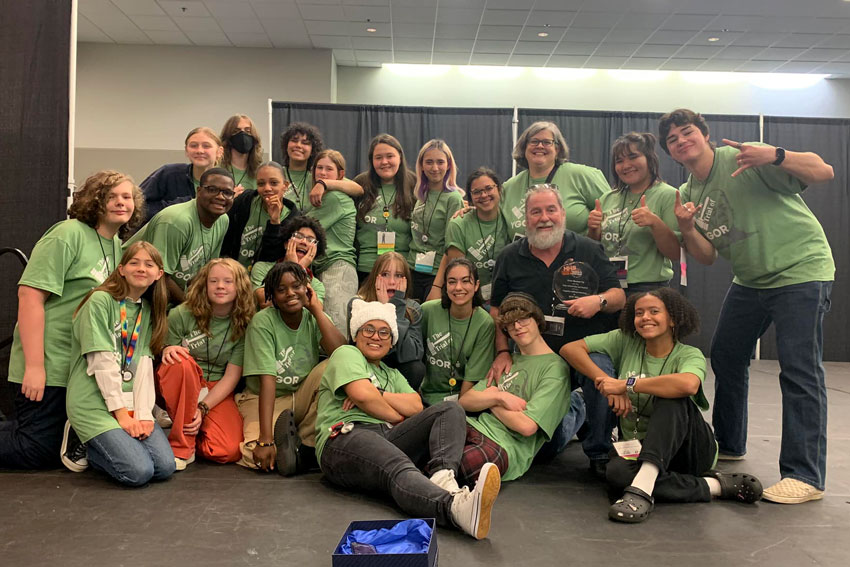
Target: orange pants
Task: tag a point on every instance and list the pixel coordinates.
(221, 431)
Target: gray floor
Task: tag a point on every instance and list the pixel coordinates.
(223, 515)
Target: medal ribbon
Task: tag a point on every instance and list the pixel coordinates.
(129, 346)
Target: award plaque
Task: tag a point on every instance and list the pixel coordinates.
(575, 279)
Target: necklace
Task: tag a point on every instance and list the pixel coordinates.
(427, 225)
(454, 362)
(211, 363)
(650, 398)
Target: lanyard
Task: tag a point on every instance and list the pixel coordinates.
(211, 363)
(490, 252)
(295, 187)
(128, 341)
(454, 362)
(624, 218)
(549, 177)
(386, 211)
(244, 173)
(103, 252)
(640, 408)
(425, 232)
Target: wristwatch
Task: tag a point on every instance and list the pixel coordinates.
(630, 384)
(603, 303)
(780, 156)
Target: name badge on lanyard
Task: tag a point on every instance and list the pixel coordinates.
(386, 242)
(425, 262)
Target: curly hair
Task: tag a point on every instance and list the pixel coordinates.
(311, 133)
(683, 316)
(89, 204)
(272, 279)
(256, 155)
(562, 150)
(116, 286)
(404, 180)
(519, 305)
(295, 223)
(644, 144)
(477, 298)
(198, 301)
(681, 117)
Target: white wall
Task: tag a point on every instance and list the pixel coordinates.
(357, 85)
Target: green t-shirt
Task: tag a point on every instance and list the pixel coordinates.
(68, 261)
(628, 353)
(185, 244)
(241, 177)
(480, 241)
(338, 217)
(374, 222)
(301, 182)
(212, 353)
(347, 364)
(252, 234)
(260, 269)
(622, 237)
(428, 225)
(580, 186)
(97, 328)
(543, 381)
(466, 345)
(272, 348)
(760, 223)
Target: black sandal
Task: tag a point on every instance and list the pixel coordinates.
(633, 508)
(739, 486)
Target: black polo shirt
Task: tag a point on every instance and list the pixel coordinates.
(517, 269)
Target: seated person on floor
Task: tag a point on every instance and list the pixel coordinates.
(202, 363)
(526, 407)
(283, 372)
(374, 436)
(667, 450)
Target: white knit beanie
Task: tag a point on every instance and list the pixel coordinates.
(364, 311)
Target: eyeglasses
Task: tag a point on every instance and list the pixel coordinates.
(486, 189)
(369, 331)
(522, 322)
(544, 143)
(300, 236)
(224, 192)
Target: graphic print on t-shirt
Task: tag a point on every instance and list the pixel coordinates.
(188, 264)
(436, 343)
(612, 232)
(717, 222)
(101, 270)
(514, 382)
(292, 365)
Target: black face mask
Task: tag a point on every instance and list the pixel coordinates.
(242, 142)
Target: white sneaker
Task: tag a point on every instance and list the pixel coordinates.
(161, 417)
(445, 479)
(471, 510)
(181, 464)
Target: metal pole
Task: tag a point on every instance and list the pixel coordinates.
(72, 102)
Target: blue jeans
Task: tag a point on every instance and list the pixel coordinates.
(797, 310)
(601, 421)
(568, 427)
(130, 461)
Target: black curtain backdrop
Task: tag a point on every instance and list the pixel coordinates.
(483, 137)
(34, 66)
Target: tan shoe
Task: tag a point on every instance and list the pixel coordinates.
(791, 491)
(181, 464)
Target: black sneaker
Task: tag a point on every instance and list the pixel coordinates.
(287, 442)
(73, 451)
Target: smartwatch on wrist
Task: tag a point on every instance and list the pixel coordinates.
(780, 156)
(603, 303)
(630, 384)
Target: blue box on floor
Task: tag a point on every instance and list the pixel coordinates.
(387, 559)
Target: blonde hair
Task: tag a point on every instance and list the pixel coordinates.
(198, 300)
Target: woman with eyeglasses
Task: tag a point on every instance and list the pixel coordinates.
(437, 198)
(383, 212)
(256, 216)
(478, 237)
(188, 235)
(542, 150)
(635, 220)
(243, 152)
(301, 239)
(178, 182)
(459, 336)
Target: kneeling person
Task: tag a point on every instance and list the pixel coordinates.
(373, 435)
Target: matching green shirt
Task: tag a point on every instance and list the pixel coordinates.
(428, 226)
(260, 269)
(347, 364)
(252, 234)
(628, 353)
(301, 183)
(338, 217)
(272, 348)
(622, 237)
(760, 223)
(543, 381)
(374, 222)
(480, 241)
(241, 177)
(68, 261)
(185, 244)
(580, 186)
(97, 328)
(212, 352)
(455, 350)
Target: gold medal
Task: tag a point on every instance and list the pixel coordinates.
(452, 382)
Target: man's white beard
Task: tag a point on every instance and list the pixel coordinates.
(546, 240)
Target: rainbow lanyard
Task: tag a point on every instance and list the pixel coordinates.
(129, 347)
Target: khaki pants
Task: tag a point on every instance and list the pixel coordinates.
(302, 402)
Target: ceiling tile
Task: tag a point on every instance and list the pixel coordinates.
(818, 54)
(682, 64)
(322, 13)
(566, 61)
(534, 48)
(651, 50)
(453, 45)
(87, 31)
(834, 67)
(488, 59)
(504, 17)
(412, 57)
(779, 53)
(840, 40)
(136, 7)
(723, 38)
(490, 46)
(371, 43)
(742, 52)
(347, 54)
(544, 17)
(738, 23)
(359, 28)
(184, 8)
(530, 34)
(641, 21)
(198, 24)
(757, 67)
(501, 4)
(274, 9)
(230, 25)
(616, 49)
(155, 23)
(798, 67)
(499, 32)
(210, 38)
(455, 31)
(413, 43)
(721, 65)
(595, 62)
(367, 2)
(451, 58)
(801, 40)
(688, 22)
(409, 3)
(227, 9)
(595, 20)
(331, 41)
(315, 27)
(527, 60)
(413, 14)
(374, 56)
(629, 35)
(458, 16)
(368, 13)
(566, 5)
(413, 30)
(820, 25)
(668, 37)
(698, 52)
(572, 48)
(247, 39)
(169, 37)
(648, 63)
(763, 39)
(575, 34)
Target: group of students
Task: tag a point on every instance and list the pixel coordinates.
(287, 317)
